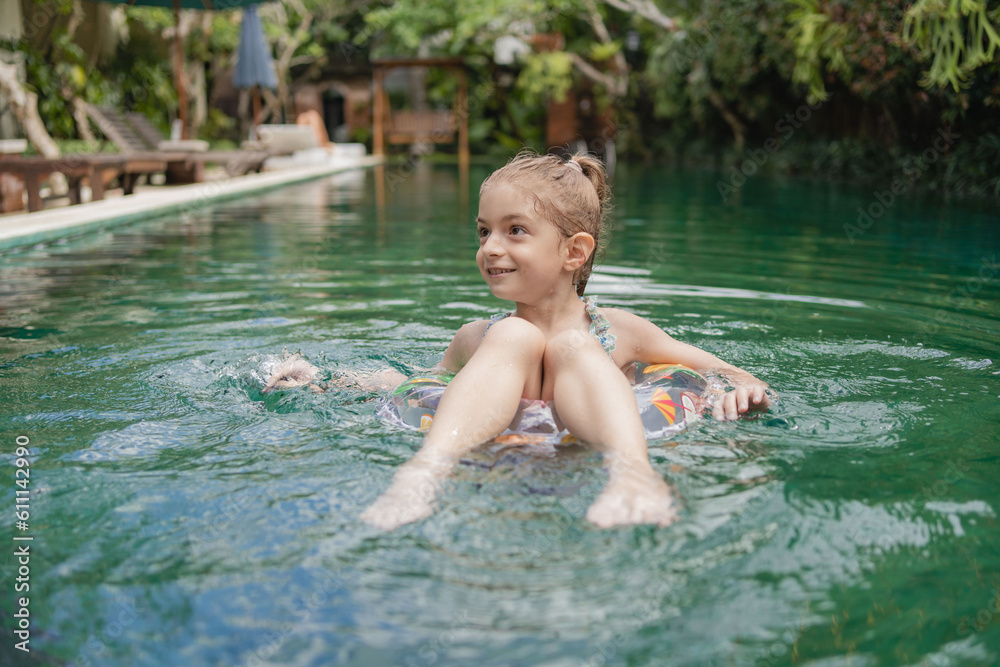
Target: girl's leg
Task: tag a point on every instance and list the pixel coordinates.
(596, 403)
(479, 404)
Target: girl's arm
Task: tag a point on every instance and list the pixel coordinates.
(463, 346)
(649, 343)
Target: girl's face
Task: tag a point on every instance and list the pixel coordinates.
(521, 256)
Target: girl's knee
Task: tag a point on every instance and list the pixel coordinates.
(518, 333)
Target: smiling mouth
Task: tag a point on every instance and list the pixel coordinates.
(499, 272)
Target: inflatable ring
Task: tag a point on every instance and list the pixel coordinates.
(669, 398)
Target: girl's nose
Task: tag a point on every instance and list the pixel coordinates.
(492, 245)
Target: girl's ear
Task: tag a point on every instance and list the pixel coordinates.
(579, 248)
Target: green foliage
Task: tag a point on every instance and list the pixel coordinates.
(479, 130)
(152, 20)
(957, 35)
(362, 135)
(139, 77)
(80, 147)
(669, 63)
(217, 125)
(409, 26)
(818, 40)
(978, 165)
(46, 82)
(600, 52)
(736, 51)
(882, 75)
(546, 76)
(876, 48)
(441, 88)
(225, 35)
(457, 26)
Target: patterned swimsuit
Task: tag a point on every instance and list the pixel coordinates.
(600, 328)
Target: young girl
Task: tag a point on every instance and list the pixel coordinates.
(540, 221)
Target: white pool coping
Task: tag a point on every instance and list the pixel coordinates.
(50, 224)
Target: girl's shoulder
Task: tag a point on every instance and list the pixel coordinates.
(621, 318)
(631, 330)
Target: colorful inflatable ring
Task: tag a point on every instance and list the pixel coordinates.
(669, 398)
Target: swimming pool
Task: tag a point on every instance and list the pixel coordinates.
(181, 517)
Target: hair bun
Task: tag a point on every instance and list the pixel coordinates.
(593, 169)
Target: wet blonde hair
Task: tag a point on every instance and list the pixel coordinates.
(572, 194)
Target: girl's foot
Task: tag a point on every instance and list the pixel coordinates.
(633, 501)
(410, 497)
(393, 510)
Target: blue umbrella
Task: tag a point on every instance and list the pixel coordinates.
(254, 67)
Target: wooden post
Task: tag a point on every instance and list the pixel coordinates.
(378, 140)
(32, 183)
(380, 226)
(463, 119)
(73, 192)
(256, 108)
(96, 178)
(179, 71)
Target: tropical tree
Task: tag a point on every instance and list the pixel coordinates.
(858, 40)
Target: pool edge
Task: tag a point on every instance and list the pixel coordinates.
(51, 224)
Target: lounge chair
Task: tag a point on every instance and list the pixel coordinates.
(311, 119)
(135, 136)
(285, 139)
(20, 174)
(95, 169)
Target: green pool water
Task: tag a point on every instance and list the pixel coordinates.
(181, 517)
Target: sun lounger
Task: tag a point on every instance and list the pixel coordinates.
(96, 169)
(133, 133)
(286, 139)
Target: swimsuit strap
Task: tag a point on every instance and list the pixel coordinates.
(600, 327)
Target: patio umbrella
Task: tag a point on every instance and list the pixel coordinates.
(254, 67)
(177, 5)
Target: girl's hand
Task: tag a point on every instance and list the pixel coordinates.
(748, 394)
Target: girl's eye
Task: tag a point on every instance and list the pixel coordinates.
(517, 230)
(482, 232)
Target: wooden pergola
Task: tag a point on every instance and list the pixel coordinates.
(409, 126)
